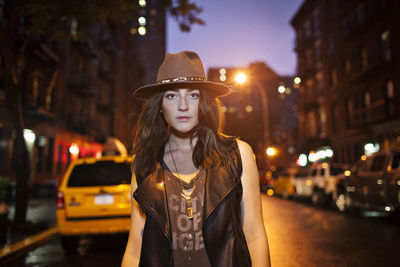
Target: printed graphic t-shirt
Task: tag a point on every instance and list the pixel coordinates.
(187, 236)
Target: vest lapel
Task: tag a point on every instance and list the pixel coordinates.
(151, 196)
(219, 183)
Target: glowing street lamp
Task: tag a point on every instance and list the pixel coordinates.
(241, 78)
(270, 151)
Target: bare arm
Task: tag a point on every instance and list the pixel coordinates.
(138, 218)
(253, 224)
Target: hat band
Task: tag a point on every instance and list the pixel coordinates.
(182, 79)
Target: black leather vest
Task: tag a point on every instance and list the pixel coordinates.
(222, 232)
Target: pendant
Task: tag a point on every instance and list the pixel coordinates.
(190, 213)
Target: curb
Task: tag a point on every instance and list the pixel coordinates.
(9, 250)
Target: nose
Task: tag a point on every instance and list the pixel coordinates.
(183, 105)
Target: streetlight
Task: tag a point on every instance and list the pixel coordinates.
(241, 78)
(270, 151)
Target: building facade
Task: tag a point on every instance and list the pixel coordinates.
(349, 65)
(258, 113)
(76, 94)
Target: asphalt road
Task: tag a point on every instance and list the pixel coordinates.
(299, 235)
(303, 235)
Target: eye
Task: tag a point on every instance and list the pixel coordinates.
(170, 95)
(194, 95)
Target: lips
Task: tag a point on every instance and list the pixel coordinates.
(183, 118)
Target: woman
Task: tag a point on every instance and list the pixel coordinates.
(196, 191)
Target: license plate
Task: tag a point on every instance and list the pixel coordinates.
(104, 199)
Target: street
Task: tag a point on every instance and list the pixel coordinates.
(303, 235)
(299, 235)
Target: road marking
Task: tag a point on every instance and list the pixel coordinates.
(12, 248)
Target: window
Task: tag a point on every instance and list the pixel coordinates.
(333, 82)
(389, 92)
(312, 127)
(336, 171)
(367, 99)
(347, 65)
(319, 86)
(316, 22)
(349, 112)
(378, 163)
(367, 103)
(74, 28)
(100, 173)
(396, 161)
(314, 173)
(389, 98)
(385, 46)
(322, 120)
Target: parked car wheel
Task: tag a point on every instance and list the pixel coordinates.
(70, 243)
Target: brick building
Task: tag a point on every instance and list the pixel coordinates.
(77, 93)
(349, 64)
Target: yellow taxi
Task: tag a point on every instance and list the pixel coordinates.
(94, 198)
(283, 183)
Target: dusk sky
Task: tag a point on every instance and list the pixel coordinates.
(238, 32)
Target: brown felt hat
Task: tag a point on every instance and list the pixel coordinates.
(182, 70)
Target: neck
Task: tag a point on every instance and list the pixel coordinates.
(179, 141)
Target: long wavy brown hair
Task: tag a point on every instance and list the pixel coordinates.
(152, 135)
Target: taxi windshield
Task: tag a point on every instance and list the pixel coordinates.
(101, 173)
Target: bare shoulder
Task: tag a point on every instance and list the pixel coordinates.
(245, 149)
(250, 172)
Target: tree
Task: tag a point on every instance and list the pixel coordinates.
(30, 19)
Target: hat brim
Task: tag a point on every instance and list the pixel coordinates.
(214, 88)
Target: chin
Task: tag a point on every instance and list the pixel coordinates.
(183, 130)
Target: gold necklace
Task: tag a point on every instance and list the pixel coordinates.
(186, 196)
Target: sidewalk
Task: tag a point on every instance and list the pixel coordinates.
(41, 217)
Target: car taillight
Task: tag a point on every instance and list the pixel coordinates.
(60, 200)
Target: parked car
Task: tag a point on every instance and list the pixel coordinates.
(320, 183)
(284, 182)
(374, 184)
(94, 198)
(302, 185)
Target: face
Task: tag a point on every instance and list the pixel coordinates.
(181, 109)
